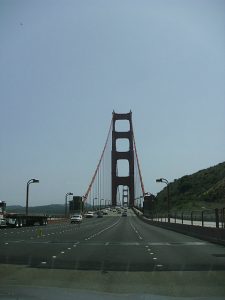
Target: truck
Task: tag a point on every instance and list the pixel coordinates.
(2, 214)
(19, 220)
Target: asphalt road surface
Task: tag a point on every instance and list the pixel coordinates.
(111, 243)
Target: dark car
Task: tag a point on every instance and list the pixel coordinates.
(99, 214)
(124, 214)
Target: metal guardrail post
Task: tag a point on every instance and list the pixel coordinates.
(223, 216)
(203, 218)
(191, 217)
(182, 217)
(175, 217)
(217, 218)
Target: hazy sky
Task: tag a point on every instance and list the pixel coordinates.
(65, 65)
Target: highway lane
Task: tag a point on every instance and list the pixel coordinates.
(26, 233)
(114, 248)
(179, 252)
(132, 245)
(27, 246)
(109, 243)
(113, 254)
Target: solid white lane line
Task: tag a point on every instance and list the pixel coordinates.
(179, 244)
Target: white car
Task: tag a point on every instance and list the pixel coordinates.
(89, 214)
(76, 218)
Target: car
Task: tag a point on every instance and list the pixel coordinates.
(124, 214)
(76, 218)
(89, 214)
(99, 214)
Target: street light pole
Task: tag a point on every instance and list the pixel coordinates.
(168, 195)
(67, 194)
(93, 205)
(27, 194)
(101, 203)
(141, 200)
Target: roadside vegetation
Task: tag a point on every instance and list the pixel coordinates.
(204, 189)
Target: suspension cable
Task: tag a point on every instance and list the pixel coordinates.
(138, 164)
(98, 165)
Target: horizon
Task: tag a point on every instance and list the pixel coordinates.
(63, 204)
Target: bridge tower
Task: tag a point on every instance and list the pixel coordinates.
(125, 196)
(128, 155)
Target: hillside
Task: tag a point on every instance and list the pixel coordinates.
(203, 189)
(51, 209)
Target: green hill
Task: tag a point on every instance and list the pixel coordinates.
(51, 209)
(203, 189)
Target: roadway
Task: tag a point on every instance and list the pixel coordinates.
(111, 243)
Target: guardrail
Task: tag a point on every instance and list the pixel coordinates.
(195, 226)
(204, 218)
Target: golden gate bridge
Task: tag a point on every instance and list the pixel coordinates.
(106, 185)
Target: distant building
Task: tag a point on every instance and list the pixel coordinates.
(75, 205)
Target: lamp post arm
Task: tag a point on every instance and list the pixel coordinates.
(165, 181)
(27, 193)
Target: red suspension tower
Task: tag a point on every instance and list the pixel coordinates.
(128, 155)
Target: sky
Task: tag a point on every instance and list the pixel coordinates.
(66, 65)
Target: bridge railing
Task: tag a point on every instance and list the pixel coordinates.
(204, 218)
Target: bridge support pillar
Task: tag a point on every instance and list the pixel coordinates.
(128, 155)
